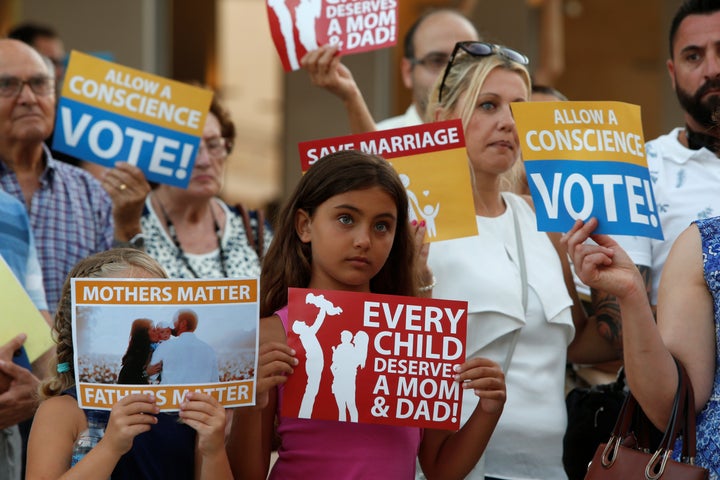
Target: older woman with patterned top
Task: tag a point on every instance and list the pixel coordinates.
(191, 232)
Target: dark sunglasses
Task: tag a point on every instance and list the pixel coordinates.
(481, 49)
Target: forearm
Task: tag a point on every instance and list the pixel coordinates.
(600, 338)
(649, 366)
(214, 467)
(458, 452)
(606, 311)
(99, 464)
(359, 116)
(248, 446)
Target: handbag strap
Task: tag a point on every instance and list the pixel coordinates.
(681, 422)
(523, 286)
(682, 418)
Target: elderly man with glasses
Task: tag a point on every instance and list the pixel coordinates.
(70, 213)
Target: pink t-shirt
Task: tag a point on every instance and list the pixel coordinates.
(323, 449)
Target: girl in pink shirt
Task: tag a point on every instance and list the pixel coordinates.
(346, 228)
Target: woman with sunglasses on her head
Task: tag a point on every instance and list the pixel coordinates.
(523, 310)
(191, 232)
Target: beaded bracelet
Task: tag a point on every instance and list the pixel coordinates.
(427, 288)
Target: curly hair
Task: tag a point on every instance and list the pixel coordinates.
(114, 262)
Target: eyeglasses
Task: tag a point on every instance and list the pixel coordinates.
(216, 147)
(12, 86)
(481, 49)
(433, 61)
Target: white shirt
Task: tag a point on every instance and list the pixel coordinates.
(484, 271)
(186, 359)
(408, 119)
(686, 186)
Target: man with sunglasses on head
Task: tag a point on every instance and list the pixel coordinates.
(426, 49)
(70, 213)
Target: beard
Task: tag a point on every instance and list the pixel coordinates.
(705, 112)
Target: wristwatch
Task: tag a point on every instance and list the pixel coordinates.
(137, 242)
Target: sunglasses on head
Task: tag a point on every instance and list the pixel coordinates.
(481, 49)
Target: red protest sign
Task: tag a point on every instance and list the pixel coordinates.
(374, 358)
(300, 26)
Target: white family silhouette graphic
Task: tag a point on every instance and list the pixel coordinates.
(306, 14)
(428, 212)
(347, 357)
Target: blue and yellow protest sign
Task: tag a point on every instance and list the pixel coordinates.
(587, 159)
(109, 113)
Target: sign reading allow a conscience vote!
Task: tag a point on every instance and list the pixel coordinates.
(587, 159)
(109, 113)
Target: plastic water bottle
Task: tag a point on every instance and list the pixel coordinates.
(91, 436)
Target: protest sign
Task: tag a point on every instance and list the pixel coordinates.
(109, 113)
(373, 358)
(301, 26)
(587, 159)
(432, 163)
(202, 334)
(20, 316)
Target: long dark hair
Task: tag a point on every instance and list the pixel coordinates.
(288, 260)
(139, 345)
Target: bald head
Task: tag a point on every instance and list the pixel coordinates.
(438, 22)
(27, 97)
(185, 321)
(428, 45)
(14, 51)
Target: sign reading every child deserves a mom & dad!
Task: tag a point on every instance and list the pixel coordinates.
(587, 159)
(432, 163)
(109, 113)
(165, 337)
(373, 358)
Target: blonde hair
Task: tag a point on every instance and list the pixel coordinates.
(104, 264)
(465, 80)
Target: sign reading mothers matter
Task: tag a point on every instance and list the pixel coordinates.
(373, 358)
(587, 159)
(109, 113)
(165, 337)
(301, 26)
(432, 163)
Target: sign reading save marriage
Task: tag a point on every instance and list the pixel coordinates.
(165, 337)
(373, 358)
(587, 159)
(109, 113)
(432, 163)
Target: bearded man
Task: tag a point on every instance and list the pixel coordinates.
(684, 164)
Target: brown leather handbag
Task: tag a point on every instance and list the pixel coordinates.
(623, 458)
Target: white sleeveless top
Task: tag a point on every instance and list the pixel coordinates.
(484, 271)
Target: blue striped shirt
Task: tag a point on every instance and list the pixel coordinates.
(17, 249)
(71, 218)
